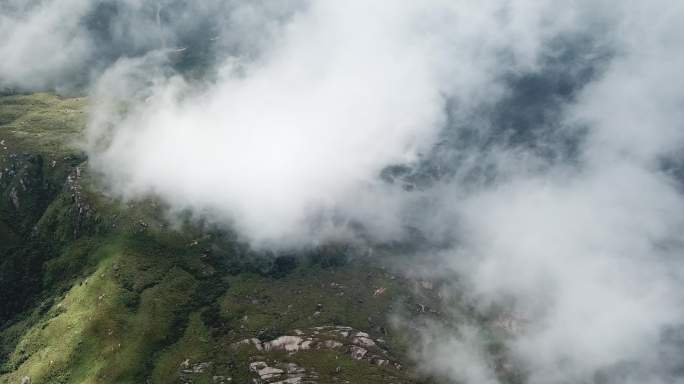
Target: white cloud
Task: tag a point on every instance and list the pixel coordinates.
(41, 42)
(591, 251)
(288, 147)
(312, 100)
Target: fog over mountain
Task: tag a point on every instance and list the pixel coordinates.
(528, 151)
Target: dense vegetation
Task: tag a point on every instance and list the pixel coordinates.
(94, 289)
(98, 290)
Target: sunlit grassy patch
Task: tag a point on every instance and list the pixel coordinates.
(47, 350)
(42, 122)
(125, 294)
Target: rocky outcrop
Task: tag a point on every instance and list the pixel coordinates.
(30, 183)
(81, 211)
(358, 345)
(281, 373)
(29, 186)
(188, 371)
(24, 189)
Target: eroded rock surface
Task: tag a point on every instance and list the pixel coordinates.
(357, 345)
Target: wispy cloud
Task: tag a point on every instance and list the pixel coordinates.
(534, 145)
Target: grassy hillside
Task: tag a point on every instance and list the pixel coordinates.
(99, 290)
(96, 290)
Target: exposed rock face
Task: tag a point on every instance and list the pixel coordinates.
(82, 213)
(362, 339)
(346, 340)
(25, 190)
(29, 185)
(28, 190)
(188, 371)
(281, 373)
(287, 344)
(357, 353)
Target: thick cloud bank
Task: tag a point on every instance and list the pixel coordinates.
(533, 146)
(298, 133)
(289, 145)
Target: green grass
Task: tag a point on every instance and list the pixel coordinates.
(141, 307)
(38, 133)
(93, 333)
(291, 302)
(130, 295)
(42, 123)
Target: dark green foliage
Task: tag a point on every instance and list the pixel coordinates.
(21, 277)
(282, 265)
(329, 256)
(93, 289)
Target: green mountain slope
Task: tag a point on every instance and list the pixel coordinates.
(96, 290)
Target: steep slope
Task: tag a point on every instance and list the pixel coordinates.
(98, 290)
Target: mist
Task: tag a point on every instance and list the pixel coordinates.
(66, 45)
(288, 144)
(532, 148)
